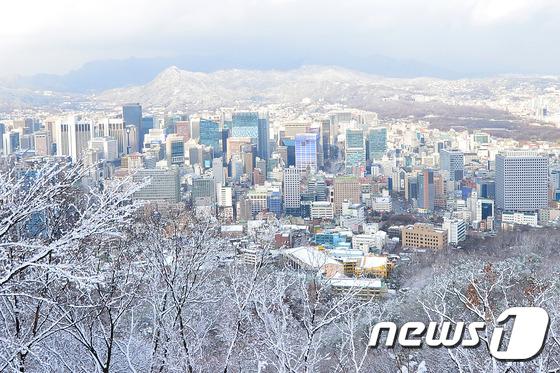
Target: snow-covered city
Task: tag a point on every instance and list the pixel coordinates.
(210, 214)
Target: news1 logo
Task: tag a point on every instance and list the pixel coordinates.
(526, 336)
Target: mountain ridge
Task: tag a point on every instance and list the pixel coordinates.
(100, 75)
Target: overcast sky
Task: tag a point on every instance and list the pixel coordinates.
(468, 36)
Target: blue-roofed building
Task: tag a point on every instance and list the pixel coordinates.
(328, 239)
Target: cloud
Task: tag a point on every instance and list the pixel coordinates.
(486, 12)
(55, 36)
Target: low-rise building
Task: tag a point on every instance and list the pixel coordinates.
(362, 288)
(365, 242)
(522, 218)
(309, 258)
(322, 210)
(353, 216)
(382, 204)
(422, 235)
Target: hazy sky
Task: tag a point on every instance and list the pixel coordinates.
(462, 35)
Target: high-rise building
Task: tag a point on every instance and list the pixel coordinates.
(10, 142)
(291, 129)
(23, 126)
(317, 186)
(195, 128)
(486, 187)
(377, 143)
(183, 128)
(132, 116)
(106, 146)
(2, 131)
(72, 136)
(258, 197)
(456, 230)
(26, 141)
(245, 124)
(218, 171)
(258, 176)
(225, 136)
(274, 202)
(521, 181)
(147, 125)
(203, 188)
(200, 155)
(61, 137)
(411, 187)
(248, 157)
(236, 167)
(175, 149)
(306, 151)
(484, 209)
(292, 192)
(43, 143)
(263, 137)
(261, 165)
(210, 135)
(225, 196)
(234, 145)
(163, 185)
(355, 153)
(440, 199)
(426, 190)
(290, 146)
(326, 138)
(346, 188)
(113, 127)
(453, 162)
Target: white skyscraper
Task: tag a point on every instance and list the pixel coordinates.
(11, 142)
(292, 194)
(115, 127)
(218, 170)
(224, 196)
(521, 181)
(72, 135)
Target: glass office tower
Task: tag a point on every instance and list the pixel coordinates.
(132, 115)
(377, 143)
(245, 124)
(210, 135)
(306, 149)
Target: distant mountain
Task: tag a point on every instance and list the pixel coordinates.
(179, 89)
(98, 76)
(21, 98)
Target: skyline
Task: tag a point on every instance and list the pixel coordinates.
(465, 38)
(280, 186)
